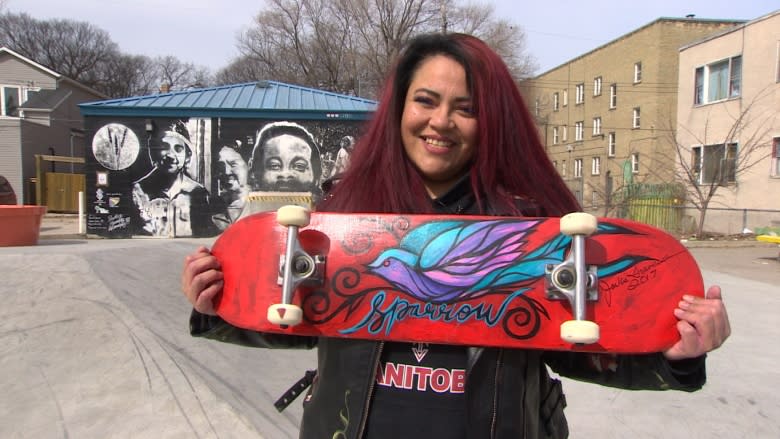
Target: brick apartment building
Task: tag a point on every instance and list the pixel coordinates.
(606, 117)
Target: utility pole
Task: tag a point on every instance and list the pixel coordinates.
(444, 16)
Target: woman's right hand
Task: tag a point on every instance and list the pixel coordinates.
(201, 280)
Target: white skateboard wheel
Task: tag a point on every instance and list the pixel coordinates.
(580, 332)
(285, 314)
(578, 223)
(293, 216)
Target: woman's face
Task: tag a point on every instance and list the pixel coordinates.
(438, 125)
(287, 165)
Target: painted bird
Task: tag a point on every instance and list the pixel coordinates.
(448, 261)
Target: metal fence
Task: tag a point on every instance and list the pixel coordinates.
(683, 221)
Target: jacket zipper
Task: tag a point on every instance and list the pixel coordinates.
(495, 396)
(371, 386)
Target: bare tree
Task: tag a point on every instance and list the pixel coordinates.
(74, 49)
(348, 45)
(705, 172)
(87, 54)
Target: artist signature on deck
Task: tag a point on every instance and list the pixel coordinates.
(630, 280)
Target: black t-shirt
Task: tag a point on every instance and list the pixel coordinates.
(419, 393)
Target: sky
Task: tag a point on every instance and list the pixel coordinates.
(204, 32)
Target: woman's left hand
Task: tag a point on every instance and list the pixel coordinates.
(704, 325)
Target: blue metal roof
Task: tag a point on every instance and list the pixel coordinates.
(262, 99)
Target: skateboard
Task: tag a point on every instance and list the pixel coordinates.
(576, 283)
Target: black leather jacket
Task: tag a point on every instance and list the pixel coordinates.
(509, 392)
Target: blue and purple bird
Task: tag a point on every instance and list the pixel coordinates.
(448, 261)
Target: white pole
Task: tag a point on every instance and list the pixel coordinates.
(81, 213)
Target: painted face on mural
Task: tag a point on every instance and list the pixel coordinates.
(287, 164)
(171, 156)
(232, 171)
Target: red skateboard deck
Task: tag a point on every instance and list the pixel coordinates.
(467, 280)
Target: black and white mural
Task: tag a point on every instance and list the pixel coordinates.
(192, 177)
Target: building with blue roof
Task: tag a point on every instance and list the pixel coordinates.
(188, 163)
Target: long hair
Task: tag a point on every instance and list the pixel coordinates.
(509, 160)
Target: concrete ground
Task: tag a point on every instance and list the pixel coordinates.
(95, 344)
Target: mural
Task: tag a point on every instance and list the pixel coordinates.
(193, 177)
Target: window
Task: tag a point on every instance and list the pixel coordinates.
(11, 97)
(555, 101)
(579, 94)
(563, 168)
(564, 133)
(635, 163)
(596, 126)
(715, 164)
(555, 164)
(536, 107)
(613, 96)
(635, 118)
(595, 166)
(577, 168)
(565, 98)
(718, 81)
(597, 86)
(637, 72)
(579, 128)
(555, 135)
(776, 157)
(611, 140)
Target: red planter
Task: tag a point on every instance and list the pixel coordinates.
(20, 225)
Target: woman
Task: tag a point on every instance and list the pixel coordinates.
(452, 135)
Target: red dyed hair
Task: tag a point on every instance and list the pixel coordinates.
(509, 160)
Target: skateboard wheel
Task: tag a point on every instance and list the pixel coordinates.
(580, 332)
(293, 216)
(283, 314)
(578, 223)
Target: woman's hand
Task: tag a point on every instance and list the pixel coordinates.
(201, 280)
(704, 325)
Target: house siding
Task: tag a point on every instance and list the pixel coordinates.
(11, 156)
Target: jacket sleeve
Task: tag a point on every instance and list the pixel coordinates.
(633, 372)
(214, 328)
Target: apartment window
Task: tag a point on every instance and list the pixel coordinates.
(577, 168)
(635, 118)
(536, 107)
(776, 157)
(613, 96)
(579, 128)
(637, 72)
(597, 86)
(579, 94)
(611, 141)
(715, 163)
(563, 168)
(564, 133)
(596, 126)
(11, 97)
(555, 101)
(595, 166)
(555, 135)
(555, 164)
(718, 81)
(635, 163)
(565, 98)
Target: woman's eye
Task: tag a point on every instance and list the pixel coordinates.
(423, 100)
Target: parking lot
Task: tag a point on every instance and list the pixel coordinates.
(95, 344)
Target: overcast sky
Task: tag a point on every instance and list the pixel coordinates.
(204, 31)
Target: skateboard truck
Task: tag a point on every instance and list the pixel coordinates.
(296, 267)
(574, 281)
